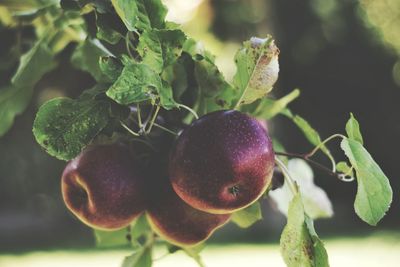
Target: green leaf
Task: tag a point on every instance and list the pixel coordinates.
(149, 48)
(86, 57)
(343, 167)
(140, 258)
(151, 13)
(209, 79)
(141, 14)
(321, 256)
(33, 65)
(278, 147)
(101, 6)
(128, 11)
(71, 19)
(13, 101)
(27, 6)
(300, 245)
(257, 69)
(193, 250)
(246, 217)
(310, 133)
(353, 129)
(105, 31)
(6, 18)
(70, 5)
(177, 76)
(195, 76)
(137, 83)
(15, 98)
(111, 68)
(197, 50)
(171, 44)
(166, 97)
(109, 239)
(160, 48)
(215, 92)
(374, 194)
(139, 227)
(69, 34)
(63, 127)
(268, 108)
(194, 253)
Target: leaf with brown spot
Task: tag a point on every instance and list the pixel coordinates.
(300, 245)
(257, 69)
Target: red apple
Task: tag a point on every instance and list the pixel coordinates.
(104, 186)
(177, 222)
(222, 163)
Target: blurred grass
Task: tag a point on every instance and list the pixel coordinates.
(382, 249)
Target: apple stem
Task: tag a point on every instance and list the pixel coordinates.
(289, 179)
(165, 129)
(148, 118)
(129, 129)
(139, 123)
(153, 119)
(321, 145)
(139, 116)
(341, 176)
(190, 110)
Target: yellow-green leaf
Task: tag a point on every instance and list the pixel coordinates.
(300, 245)
(248, 216)
(353, 129)
(374, 194)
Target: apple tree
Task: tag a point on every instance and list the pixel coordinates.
(163, 149)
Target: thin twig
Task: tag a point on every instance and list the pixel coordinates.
(322, 144)
(190, 110)
(139, 116)
(129, 129)
(148, 117)
(153, 119)
(304, 157)
(165, 129)
(340, 176)
(290, 181)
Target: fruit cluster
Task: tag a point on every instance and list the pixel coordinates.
(221, 163)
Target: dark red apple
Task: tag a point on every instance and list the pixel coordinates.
(221, 163)
(104, 186)
(177, 222)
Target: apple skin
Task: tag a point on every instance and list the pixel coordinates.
(104, 187)
(222, 162)
(177, 222)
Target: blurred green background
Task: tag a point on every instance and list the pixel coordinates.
(344, 55)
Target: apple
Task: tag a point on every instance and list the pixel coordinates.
(177, 222)
(222, 162)
(104, 186)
